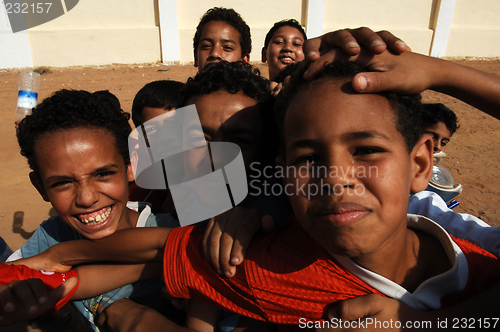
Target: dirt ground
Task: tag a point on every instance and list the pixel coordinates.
(472, 158)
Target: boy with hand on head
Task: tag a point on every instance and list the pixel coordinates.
(348, 227)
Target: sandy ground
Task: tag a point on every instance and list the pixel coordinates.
(473, 154)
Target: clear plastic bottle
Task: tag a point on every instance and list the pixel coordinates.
(29, 82)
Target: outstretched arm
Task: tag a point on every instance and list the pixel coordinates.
(414, 73)
(131, 246)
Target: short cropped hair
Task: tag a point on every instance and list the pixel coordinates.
(434, 113)
(158, 94)
(407, 108)
(108, 97)
(230, 76)
(291, 22)
(231, 17)
(71, 109)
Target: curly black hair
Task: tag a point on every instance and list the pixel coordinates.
(230, 76)
(434, 113)
(231, 17)
(70, 109)
(407, 108)
(158, 94)
(291, 22)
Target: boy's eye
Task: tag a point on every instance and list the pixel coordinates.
(443, 143)
(306, 159)
(105, 174)
(367, 150)
(60, 184)
(297, 44)
(228, 48)
(150, 131)
(198, 139)
(239, 140)
(205, 46)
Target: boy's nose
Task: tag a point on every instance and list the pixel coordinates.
(437, 146)
(216, 53)
(87, 195)
(286, 47)
(340, 174)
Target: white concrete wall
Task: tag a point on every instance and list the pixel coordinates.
(15, 50)
(99, 32)
(475, 29)
(407, 19)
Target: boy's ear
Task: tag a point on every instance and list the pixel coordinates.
(422, 163)
(246, 58)
(37, 183)
(264, 55)
(130, 173)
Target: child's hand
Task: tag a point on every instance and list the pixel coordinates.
(407, 73)
(325, 48)
(43, 261)
(362, 310)
(28, 299)
(228, 236)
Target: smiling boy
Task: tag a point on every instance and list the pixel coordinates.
(221, 35)
(77, 147)
(283, 46)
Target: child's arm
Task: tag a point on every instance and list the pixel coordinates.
(414, 73)
(411, 73)
(111, 277)
(132, 246)
(137, 318)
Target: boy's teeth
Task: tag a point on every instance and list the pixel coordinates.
(98, 218)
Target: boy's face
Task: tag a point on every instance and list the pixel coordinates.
(440, 135)
(218, 41)
(85, 179)
(284, 48)
(354, 168)
(228, 117)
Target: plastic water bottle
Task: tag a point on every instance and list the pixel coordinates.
(29, 82)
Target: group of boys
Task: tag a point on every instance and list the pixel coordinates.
(336, 244)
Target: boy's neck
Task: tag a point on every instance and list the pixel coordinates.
(417, 257)
(129, 220)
